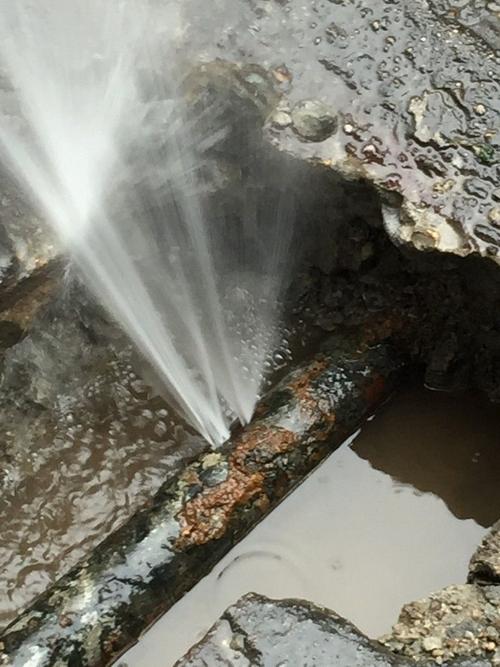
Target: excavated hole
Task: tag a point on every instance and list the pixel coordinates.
(389, 517)
(397, 512)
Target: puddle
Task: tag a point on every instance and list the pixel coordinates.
(388, 518)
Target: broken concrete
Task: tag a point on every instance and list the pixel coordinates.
(258, 632)
(458, 622)
(484, 566)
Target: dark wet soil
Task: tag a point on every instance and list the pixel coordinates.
(388, 518)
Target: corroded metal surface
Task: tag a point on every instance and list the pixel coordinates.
(100, 608)
(456, 623)
(414, 89)
(484, 566)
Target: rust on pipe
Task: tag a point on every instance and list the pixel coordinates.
(101, 607)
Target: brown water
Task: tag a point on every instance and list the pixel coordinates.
(386, 519)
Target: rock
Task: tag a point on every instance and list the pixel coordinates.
(432, 643)
(257, 631)
(313, 121)
(281, 119)
(457, 622)
(416, 89)
(484, 566)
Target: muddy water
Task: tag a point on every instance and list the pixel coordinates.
(442, 444)
(388, 518)
(71, 479)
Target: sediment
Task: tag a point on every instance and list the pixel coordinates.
(459, 621)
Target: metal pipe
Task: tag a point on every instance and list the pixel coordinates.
(100, 608)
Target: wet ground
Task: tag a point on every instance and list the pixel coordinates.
(388, 518)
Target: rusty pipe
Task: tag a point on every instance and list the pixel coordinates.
(102, 606)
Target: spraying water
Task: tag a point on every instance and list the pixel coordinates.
(94, 127)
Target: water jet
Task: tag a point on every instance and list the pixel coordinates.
(318, 209)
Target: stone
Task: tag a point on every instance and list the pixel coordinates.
(494, 216)
(259, 632)
(455, 622)
(313, 121)
(415, 88)
(432, 643)
(484, 567)
(281, 119)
